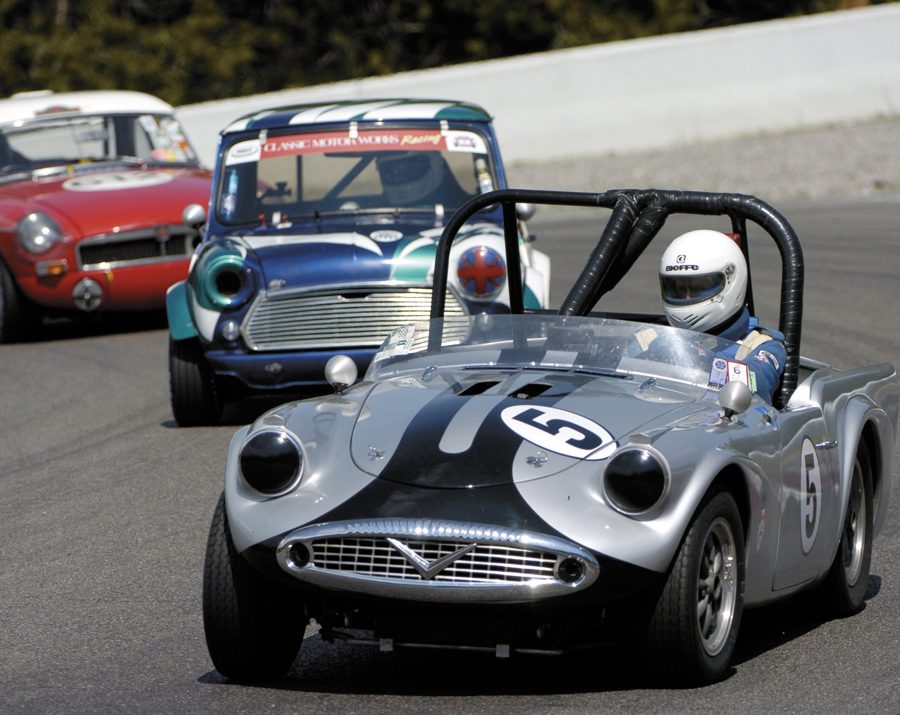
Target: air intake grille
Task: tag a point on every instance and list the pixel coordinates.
(137, 247)
(350, 318)
(486, 563)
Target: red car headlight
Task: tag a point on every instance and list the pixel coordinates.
(38, 232)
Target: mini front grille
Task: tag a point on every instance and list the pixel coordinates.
(349, 318)
(135, 247)
(486, 563)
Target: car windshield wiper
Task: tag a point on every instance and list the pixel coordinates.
(581, 370)
(396, 210)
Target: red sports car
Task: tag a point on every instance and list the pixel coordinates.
(92, 189)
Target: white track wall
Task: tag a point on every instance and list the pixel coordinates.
(655, 92)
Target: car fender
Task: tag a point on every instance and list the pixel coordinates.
(650, 540)
(178, 312)
(859, 412)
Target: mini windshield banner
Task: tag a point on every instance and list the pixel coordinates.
(367, 141)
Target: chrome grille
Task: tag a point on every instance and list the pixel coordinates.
(352, 317)
(163, 243)
(487, 563)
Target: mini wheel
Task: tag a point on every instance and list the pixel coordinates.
(254, 626)
(192, 385)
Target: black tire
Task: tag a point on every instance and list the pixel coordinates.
(844, 588)
(693, 644)
(254, 626)
(18, 315)
(192, 385)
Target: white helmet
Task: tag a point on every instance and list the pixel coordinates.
(703, 278)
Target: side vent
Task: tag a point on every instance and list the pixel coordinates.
(478, 388)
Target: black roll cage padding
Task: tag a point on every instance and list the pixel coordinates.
(637, 216)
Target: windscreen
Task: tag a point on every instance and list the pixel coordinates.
(556, 343)
(79, 139)
(296, 175)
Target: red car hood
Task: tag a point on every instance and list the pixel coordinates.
(122, 198)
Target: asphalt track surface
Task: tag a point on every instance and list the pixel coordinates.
(105, 506)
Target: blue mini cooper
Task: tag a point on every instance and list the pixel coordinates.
(320, 238)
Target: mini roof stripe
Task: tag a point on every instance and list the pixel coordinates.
(361, 110)
(338, 112)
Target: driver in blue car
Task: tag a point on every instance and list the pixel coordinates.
(703, 280)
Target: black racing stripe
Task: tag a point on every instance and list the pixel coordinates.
(420, 481)
(419, 460)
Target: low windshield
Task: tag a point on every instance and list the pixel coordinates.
(297, 175)
(74, 139)
(553, 342)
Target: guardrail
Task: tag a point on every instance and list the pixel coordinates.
(654, 92)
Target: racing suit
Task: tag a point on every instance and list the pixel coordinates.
(756, 357)
(761, 349)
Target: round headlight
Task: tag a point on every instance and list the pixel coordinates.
(38, 232)
(227, 282)
(272, 462)
(634, 481)
(481, 272)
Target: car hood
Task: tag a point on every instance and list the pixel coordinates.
(119, 199)
(351, 252)
(473, 429)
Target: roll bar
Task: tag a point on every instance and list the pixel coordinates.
(637, 216)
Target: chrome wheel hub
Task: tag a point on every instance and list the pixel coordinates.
(717, 580)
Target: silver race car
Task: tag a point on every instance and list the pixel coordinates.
(538, 481)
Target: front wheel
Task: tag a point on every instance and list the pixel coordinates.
(17, 314)
(844, 588)
(254, 627)
(695, 622)
(192, 385)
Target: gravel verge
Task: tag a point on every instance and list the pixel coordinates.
(853, 160)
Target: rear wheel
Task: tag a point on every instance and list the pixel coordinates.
(844, 588)
(694, 626)
(195, 399)
(254, 626)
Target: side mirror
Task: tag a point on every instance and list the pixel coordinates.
(194, 215)
(340, 372)
(524, 211)
(734, 398)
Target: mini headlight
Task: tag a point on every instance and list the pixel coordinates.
(634, 480)
(272, 462)
(227, 282)
(38, 232)
(481, 272)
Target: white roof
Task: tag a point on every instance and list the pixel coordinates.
(25, 106)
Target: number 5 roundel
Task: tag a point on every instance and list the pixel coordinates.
(559, 431)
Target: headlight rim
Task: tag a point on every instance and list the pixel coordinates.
(44, 221)
(233, 264)
(297, 478)
(663, 464)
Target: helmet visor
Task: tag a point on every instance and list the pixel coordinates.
(685, 290)
(403, 169)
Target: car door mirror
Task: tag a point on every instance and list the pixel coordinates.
(734, 398)
(194, 215)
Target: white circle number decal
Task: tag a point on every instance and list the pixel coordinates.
(810, 495)
(118, 180)
(559, 431)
